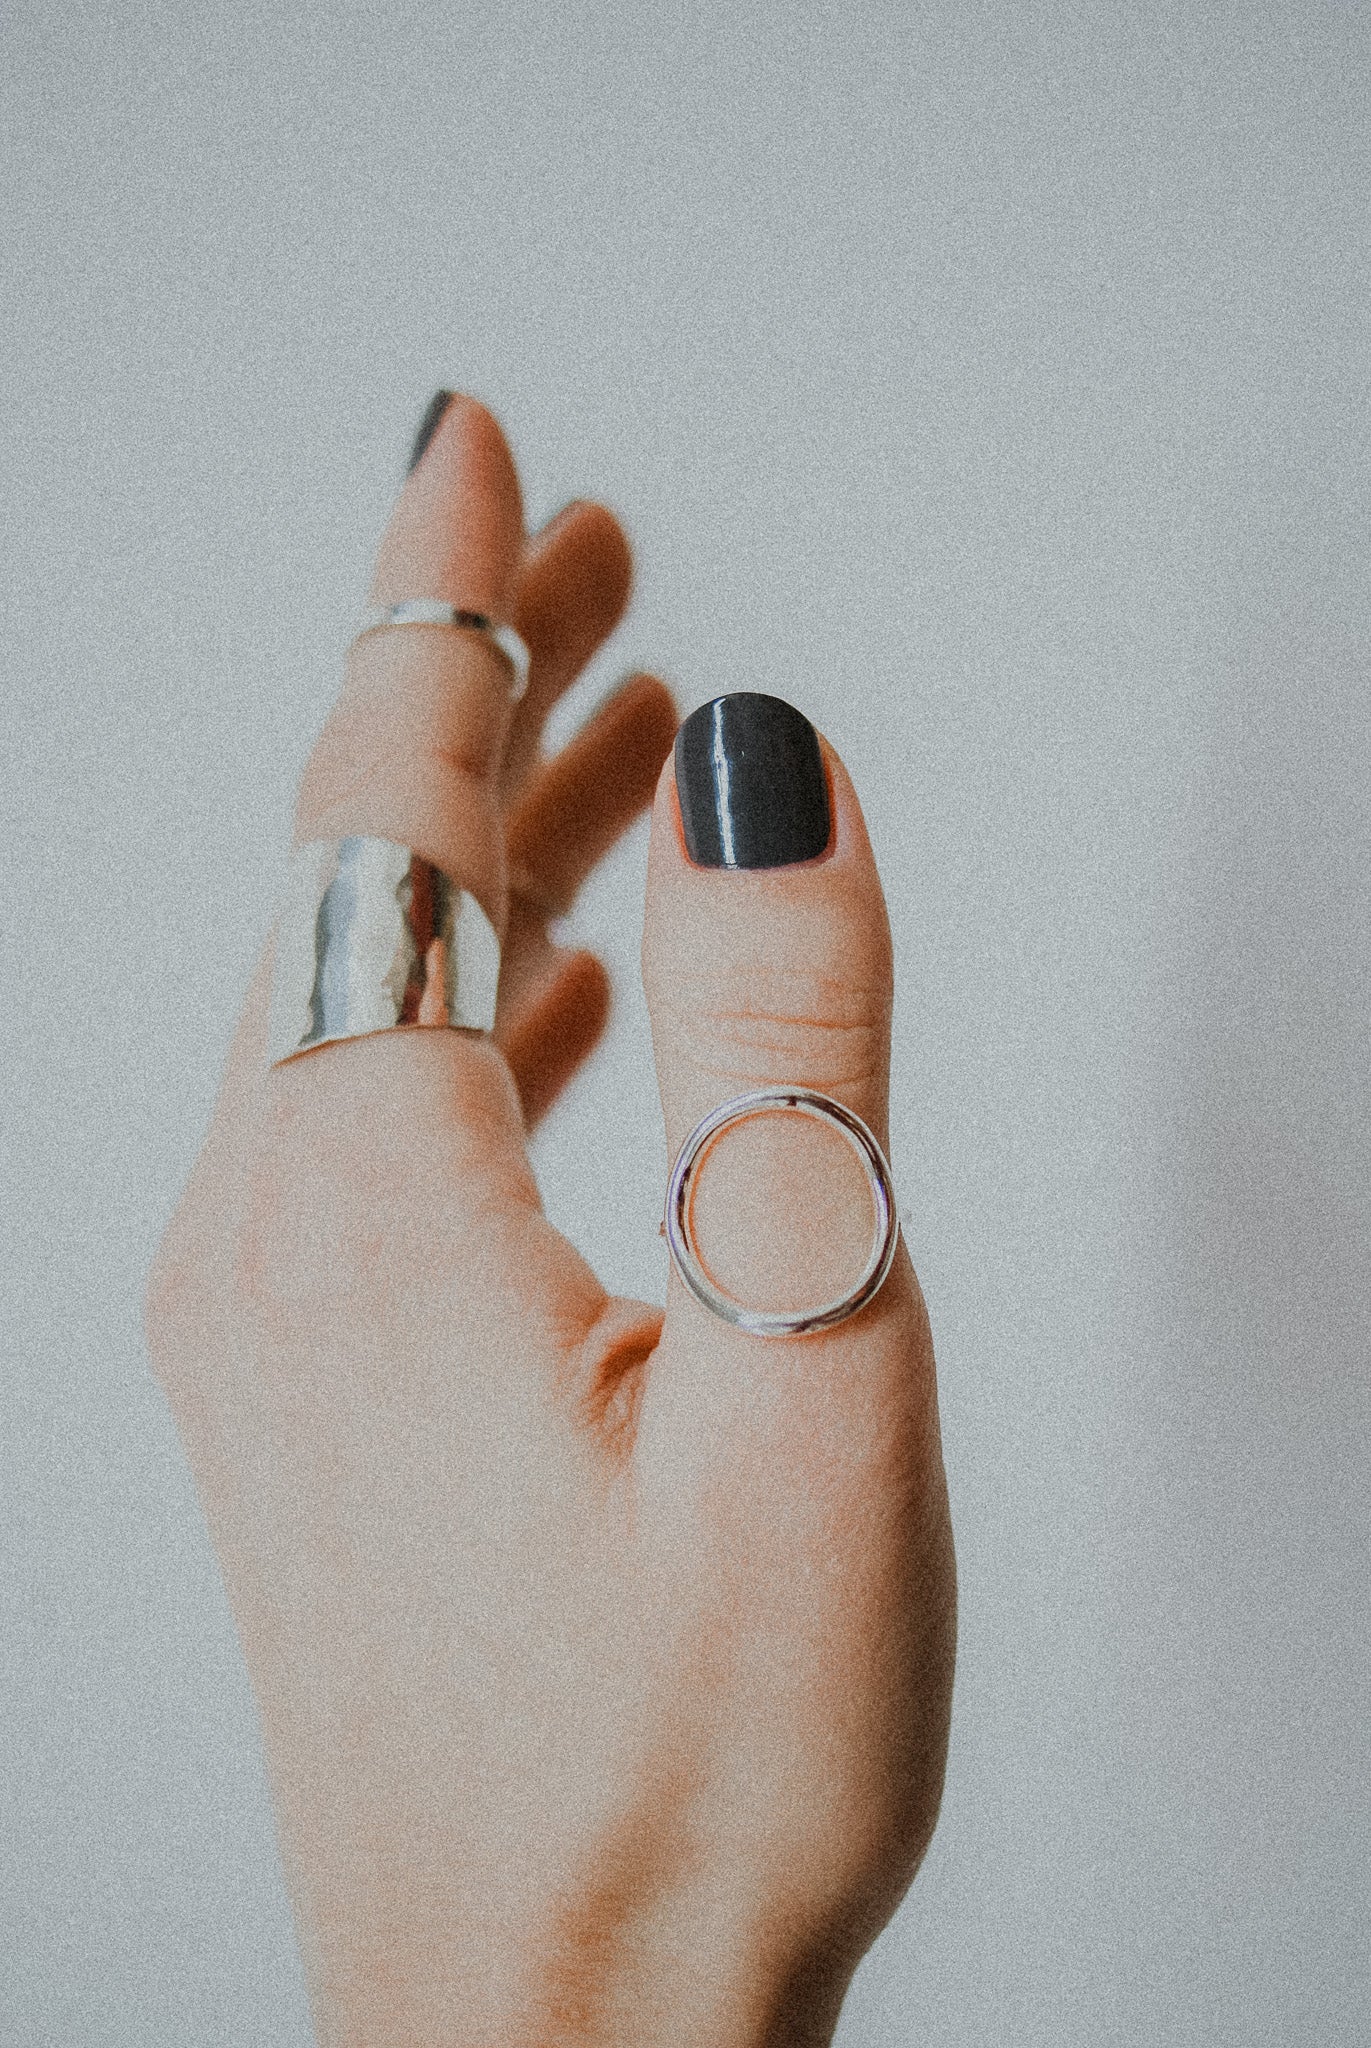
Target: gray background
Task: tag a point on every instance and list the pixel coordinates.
(992, 380)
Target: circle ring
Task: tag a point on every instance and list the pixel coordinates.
(759, 1322)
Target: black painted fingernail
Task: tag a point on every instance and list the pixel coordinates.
(428, 427)
(751, 783)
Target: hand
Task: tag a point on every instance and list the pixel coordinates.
(603, 1662)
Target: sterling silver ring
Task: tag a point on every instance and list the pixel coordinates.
(374, 937)
(435, 611)
(680, 1193)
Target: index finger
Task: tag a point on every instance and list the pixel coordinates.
(412, 749)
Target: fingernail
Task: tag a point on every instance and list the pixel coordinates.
(428, 427)
(751, 783)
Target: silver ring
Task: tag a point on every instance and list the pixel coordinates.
(435, 611)
(680, 1188)
(374, 937)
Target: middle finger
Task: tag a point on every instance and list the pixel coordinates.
(573, 586)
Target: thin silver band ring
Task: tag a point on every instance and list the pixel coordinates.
(435, 611)
(680, 1190)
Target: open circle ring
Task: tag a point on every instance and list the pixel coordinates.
(680, 1190)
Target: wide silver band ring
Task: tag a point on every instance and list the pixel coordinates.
(435, 611)
(680, 1194)
(373, 937)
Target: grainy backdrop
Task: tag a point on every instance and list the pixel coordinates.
(991, 379)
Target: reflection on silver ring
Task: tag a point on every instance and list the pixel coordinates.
(436, 611)
(680, 1189)
(373, 937)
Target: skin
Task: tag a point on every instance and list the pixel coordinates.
(604, 1662)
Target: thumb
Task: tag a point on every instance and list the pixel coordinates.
(767, 960)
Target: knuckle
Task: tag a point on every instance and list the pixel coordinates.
(455, 761)
(815, 1027)
(353, 762)
(417, 708)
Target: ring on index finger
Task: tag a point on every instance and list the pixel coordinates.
(374, 937)
(436, 611)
